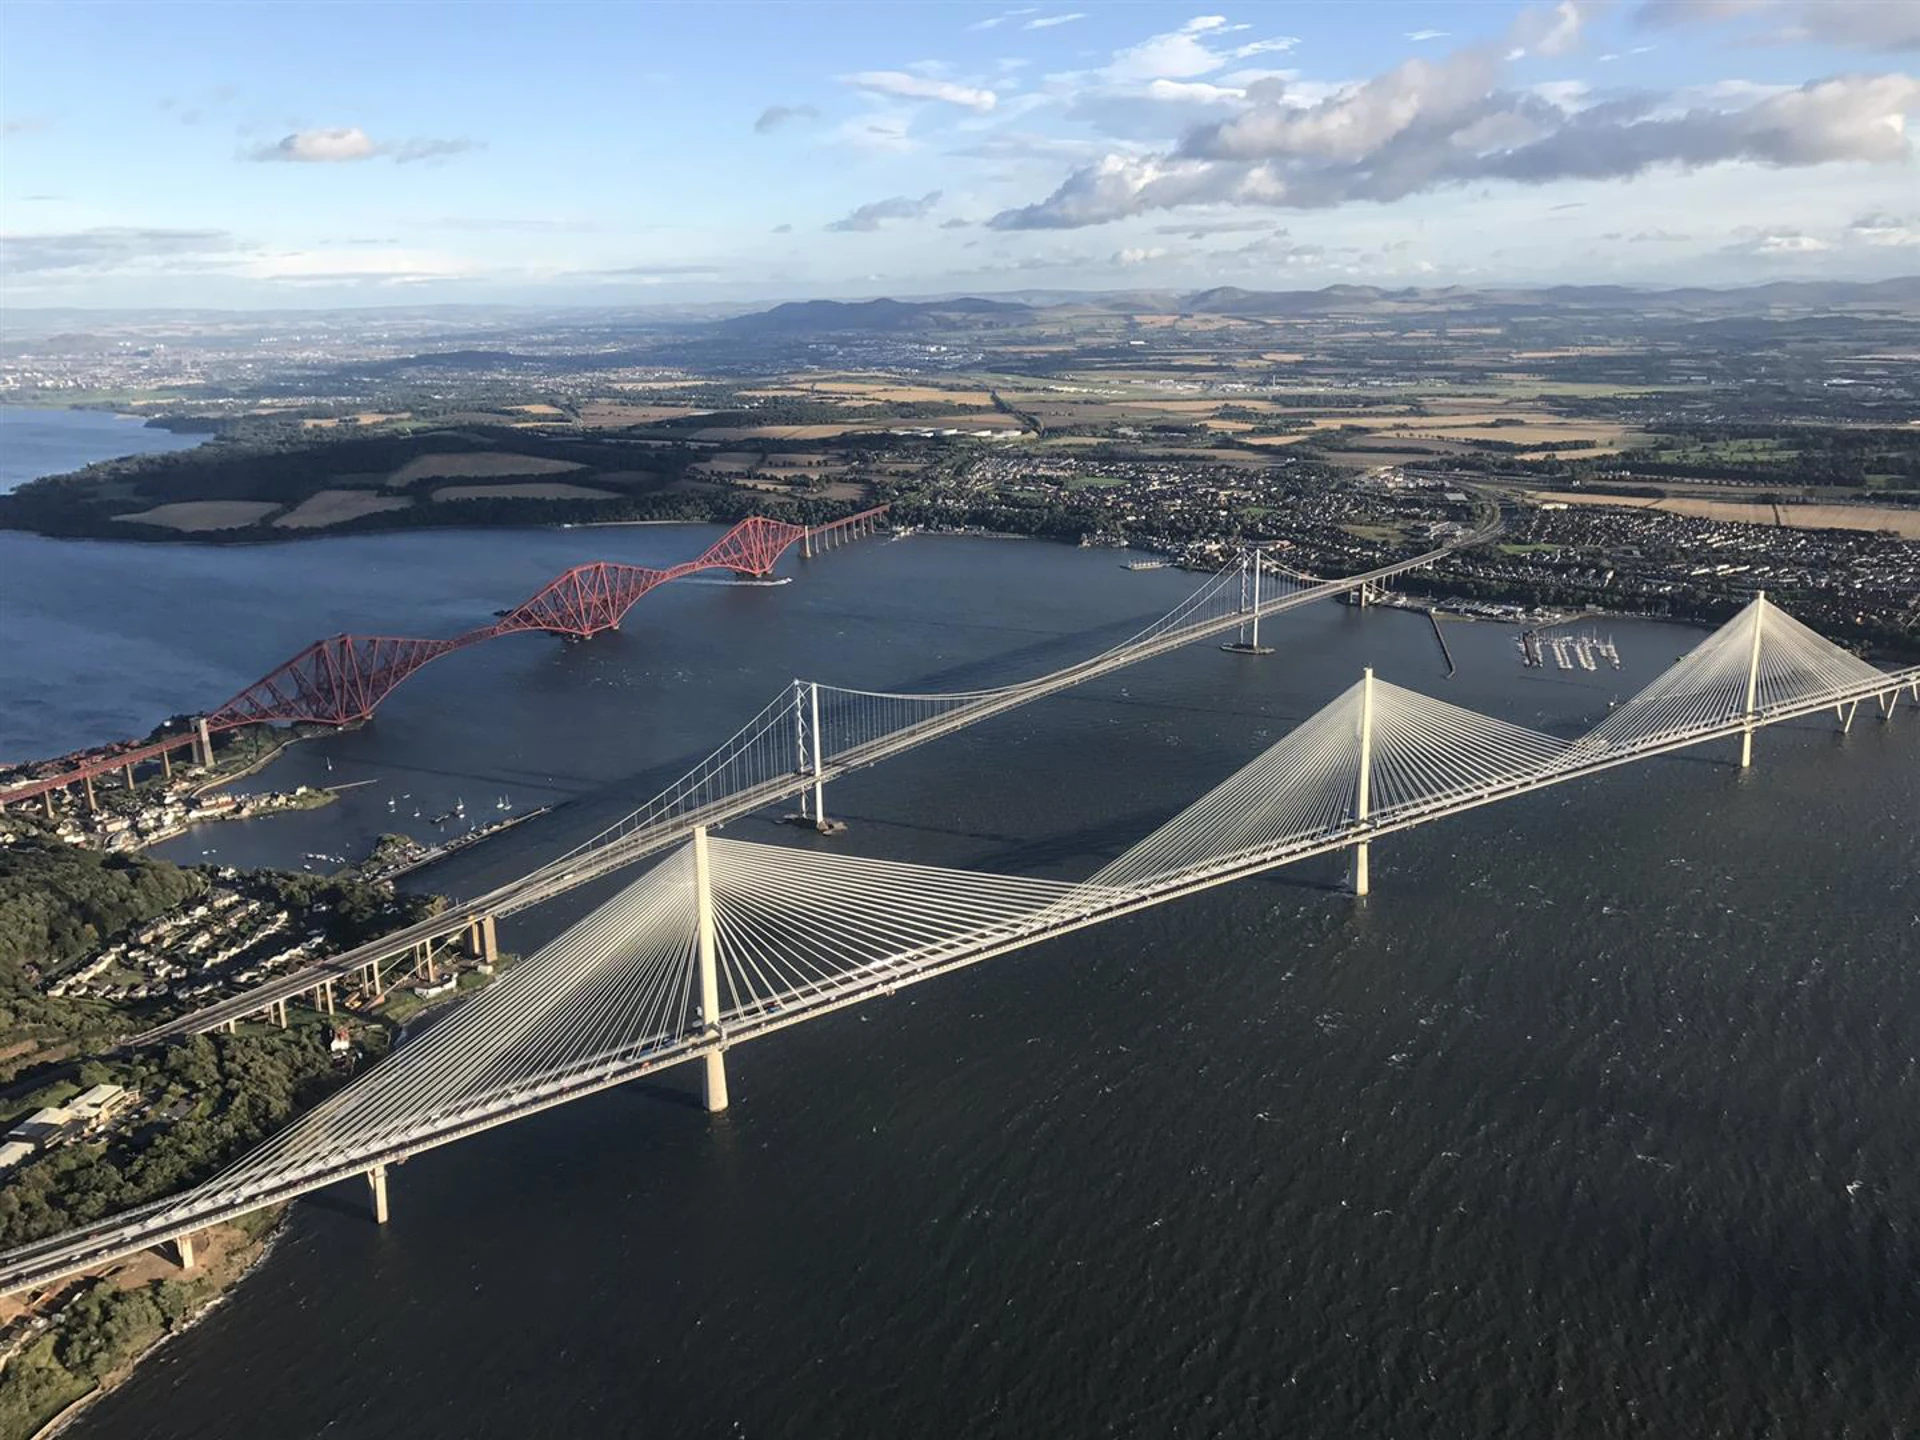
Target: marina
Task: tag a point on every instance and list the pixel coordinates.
(1583, 651)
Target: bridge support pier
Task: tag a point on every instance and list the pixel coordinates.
(202, 744)
(166, 765)
(713, 1086)
(713, 1082)
(46, 801)
(377, 1183)
(326, 996)
(280, 1013)
(93, 803)
(481, 941)
(1845, 713)
(183, 1252)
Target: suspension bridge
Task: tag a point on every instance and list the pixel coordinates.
(722, 942)
(809, 734)
(342, 679)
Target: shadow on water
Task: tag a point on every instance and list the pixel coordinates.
(1012, 854)
(350, 1198)
(669, 1095)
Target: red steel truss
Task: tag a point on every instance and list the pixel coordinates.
(344, 678)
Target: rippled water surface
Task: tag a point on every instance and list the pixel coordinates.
(1596, 1119)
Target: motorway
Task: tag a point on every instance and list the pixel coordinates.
(157, 1223)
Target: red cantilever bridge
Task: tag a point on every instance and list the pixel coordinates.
(343, 678)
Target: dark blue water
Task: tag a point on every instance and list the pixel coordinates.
(1596, 1119)
(51, 442)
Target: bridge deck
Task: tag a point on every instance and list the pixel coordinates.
(626, 849)
(1084, 906)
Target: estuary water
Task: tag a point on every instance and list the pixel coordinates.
(1596, 1119)
(35, 442)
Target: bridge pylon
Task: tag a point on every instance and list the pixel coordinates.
(713, 1087)
(1753, 679)
(813, 734)
(1248, 641)
(1362, 784)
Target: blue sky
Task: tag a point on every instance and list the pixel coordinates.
(287, 154)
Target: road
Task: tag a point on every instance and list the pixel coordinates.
(579, 869)
(155, 1224)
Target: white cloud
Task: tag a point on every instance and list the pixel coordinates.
(1779, 243)
(1278, 45)
(1886, 230)
(1184, 53)
(994, 22)
(1419, 35)
(1548, 32)
(901, 85)
(321, 146)
(1429, 124)
(347, 143)
(1047, 22)
(108, 249)
(878, 132)
(1882, 25)
(391, 265)
(871, 216)
(774, 116)
(1138, 255)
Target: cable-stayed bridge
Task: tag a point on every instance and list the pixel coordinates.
(807, 735)
(723, 941)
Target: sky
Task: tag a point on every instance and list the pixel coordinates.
(270, 155)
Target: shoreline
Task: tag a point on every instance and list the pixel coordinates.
(224, 1271)
(125, 1371)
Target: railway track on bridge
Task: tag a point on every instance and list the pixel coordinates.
(622, 849)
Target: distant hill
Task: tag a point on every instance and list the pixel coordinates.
(1903, 293)
(821, 317)
(802, 318)
(1231, 300)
